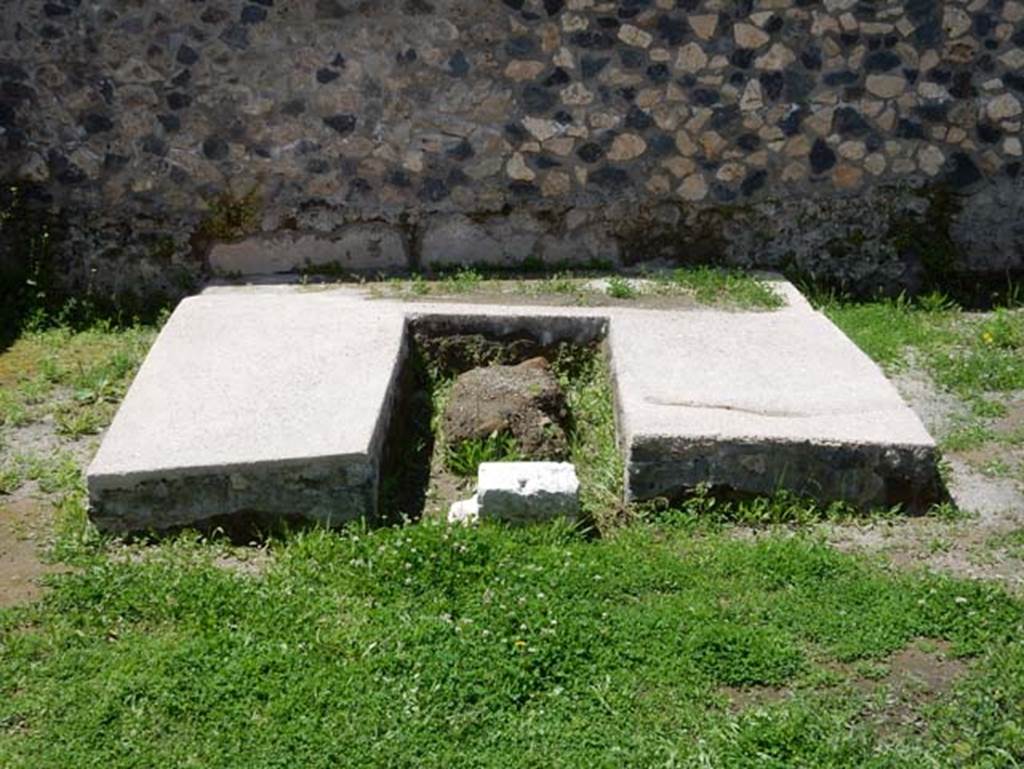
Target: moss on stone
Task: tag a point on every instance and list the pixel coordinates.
(928, 237)
(232, 216)
(29, 235)
(700, 241)
(163, 248)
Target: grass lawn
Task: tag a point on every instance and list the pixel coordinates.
(710, 635)
(428, 646)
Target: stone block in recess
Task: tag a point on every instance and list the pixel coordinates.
(464, 511)
(366, 248)
(522, 492)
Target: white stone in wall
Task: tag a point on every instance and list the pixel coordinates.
(704, 25)
(955, 22)
(749, 36)
(634, 36)
(931, 159)
(517, 169)
(691, 58)
(1004, 107)
(886, 86)
(752, 98)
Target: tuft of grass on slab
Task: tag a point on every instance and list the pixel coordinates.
(621, 288)
(706, 285)
(713, 285)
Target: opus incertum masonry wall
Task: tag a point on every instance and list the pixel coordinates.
(875, 143)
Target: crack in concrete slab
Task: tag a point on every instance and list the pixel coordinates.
(726, 407)
(763, 412)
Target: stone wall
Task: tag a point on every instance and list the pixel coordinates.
(873, 143)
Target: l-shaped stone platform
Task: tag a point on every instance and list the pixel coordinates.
(277, 401)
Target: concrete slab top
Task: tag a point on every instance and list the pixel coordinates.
(245, 379)
(781, 376)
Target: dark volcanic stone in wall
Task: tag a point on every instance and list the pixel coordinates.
(822, 157)
(316, 115)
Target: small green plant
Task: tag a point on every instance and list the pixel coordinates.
(1012, 542)
(997, 468)
(77, 419)
(13, 410)
(56, 473)
(984, 408)
(465, 457)
(463, 281)
(593, 446)
(232, 216)
(936, 301)
(1004, 330)
(419, 286)
(947, 511)
(621, 288)
(872, 670)
(967, 436)
(1014, 294)
(712, 285)
(781, 507)
(560, 283)
(10, 478)
(77, 377)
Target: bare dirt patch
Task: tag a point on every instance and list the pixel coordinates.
(930, 671)
(754, 697)
(936, 408)
(40, 439)
(523, 401)
(918, 676)
(27, 514)
(994, 506)
(897, 690)
(445, 488)
(1012, 423)
(1005, 455)
(25, 526)
(249, 563)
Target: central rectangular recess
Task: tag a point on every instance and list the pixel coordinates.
(438, 347)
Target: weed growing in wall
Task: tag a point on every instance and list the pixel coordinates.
(231, 216)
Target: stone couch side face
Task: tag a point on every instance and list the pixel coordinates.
(878, 145)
